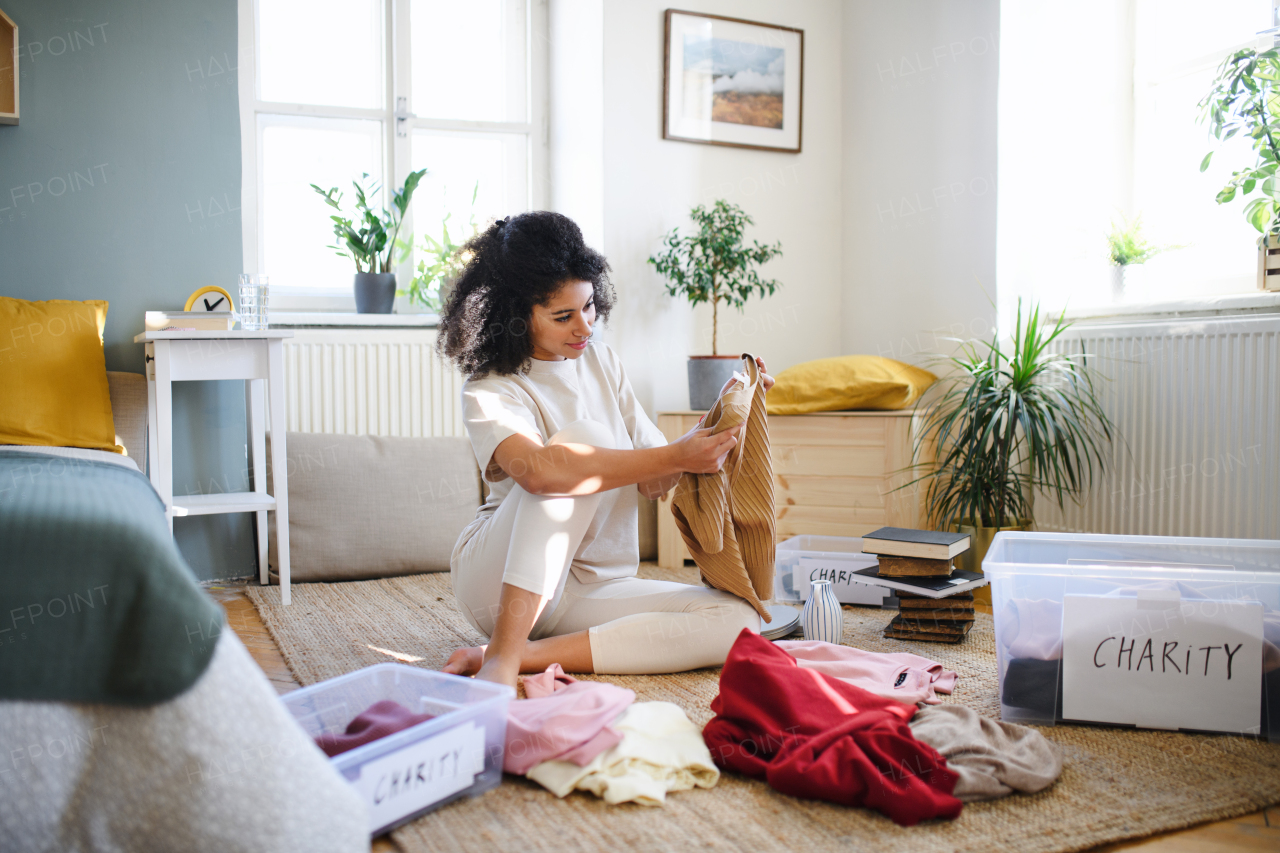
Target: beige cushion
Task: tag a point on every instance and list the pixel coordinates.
(365, 506)
(129, 410)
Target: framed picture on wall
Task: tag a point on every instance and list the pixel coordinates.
(727, 81)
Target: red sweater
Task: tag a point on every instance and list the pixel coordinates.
(817, 737)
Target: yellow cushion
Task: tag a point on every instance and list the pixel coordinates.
(53, 377)
(847, 382)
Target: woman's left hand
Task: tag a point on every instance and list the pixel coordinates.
(764, 378)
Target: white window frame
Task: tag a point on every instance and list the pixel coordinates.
(398, 125)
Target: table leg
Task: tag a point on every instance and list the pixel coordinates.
(256, 409)
(164, 429)
(279, 460)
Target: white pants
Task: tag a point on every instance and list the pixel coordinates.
(634, 625)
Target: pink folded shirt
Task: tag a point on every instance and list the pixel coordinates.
(896, 675)
(563, 719)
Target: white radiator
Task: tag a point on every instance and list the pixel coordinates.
(374, 381)
(1197, 407)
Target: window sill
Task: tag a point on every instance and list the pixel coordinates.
(1227, 305)
(340, 320)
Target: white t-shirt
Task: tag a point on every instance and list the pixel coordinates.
(552, 395)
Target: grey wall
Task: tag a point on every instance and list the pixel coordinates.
(919, 171)
(122, 182)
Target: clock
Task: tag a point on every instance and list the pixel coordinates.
(211, 299)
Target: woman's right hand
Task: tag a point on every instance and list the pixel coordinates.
(700, 452)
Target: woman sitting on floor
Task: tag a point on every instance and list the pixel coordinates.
(548, 568)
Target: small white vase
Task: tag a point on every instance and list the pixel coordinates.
(822, 617)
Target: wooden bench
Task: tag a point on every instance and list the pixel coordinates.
(834, 474)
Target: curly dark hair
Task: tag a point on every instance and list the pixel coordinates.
(515, 264)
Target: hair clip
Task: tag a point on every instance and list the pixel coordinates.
(500, 223)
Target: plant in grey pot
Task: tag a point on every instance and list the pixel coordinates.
(714, 265)
(1004, 424)
(371, 239)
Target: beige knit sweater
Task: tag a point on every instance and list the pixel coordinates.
(727, 518)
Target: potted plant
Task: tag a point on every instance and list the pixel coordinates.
(714, 265)
(371, 239)
(1128, 247)
(1004, 424)
(443, 261)
(1243, 99)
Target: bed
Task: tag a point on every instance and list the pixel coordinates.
(130, 718)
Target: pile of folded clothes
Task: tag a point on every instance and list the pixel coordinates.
(810, 733)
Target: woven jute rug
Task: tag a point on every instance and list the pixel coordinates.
(1116, 784)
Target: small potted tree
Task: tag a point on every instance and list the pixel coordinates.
(371, 240)
(1243, 100)
(714, 265)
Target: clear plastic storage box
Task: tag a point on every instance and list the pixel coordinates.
(413, 771)
(834, 558)
(1150, 631)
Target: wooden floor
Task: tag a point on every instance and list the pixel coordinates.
(1256, 832)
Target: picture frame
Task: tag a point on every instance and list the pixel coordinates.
(730, 81)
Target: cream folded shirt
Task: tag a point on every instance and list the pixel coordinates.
(540, 403)
(661, 752)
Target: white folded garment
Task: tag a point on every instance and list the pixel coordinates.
(661, 751)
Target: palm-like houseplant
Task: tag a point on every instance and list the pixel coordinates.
(1006, 423)
(714, 265)
(442, 261)
(370, 240)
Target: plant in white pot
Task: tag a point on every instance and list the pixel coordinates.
(442, 261)
(1127, 247)
(1245, 98)
(714, 265)
(371, 240)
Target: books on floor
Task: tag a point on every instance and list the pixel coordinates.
(911, 567)
(931, 587)
(931, 620)
(920, 544)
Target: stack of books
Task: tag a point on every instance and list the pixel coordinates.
(924, 554)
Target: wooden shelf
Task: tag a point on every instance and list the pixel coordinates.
(184, 505)
(9, 70)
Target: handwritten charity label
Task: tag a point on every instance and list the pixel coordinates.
(841, 574)
(1165, 663)
(410, 779)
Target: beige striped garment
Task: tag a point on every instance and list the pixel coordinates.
(727, 518)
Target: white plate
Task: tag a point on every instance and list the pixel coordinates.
(785, 621)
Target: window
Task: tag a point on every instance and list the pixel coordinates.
(1099, 120)
(332, 89)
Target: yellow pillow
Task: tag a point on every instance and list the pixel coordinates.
(53, 377)
(847, 382)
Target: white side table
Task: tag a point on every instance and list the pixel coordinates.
(257, 358)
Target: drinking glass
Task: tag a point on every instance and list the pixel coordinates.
(254, 296)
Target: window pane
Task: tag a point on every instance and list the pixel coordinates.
(469, 59)
(295, 225)
(321, 52)
(493, 166)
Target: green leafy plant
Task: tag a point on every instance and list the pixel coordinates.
(442, 263)
(714, 265)
(1008, 422)
(1128, 245)
(1245, 97)
(375, 230)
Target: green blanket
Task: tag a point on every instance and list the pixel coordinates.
(96, 603)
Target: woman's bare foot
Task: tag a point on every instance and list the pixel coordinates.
(465, 661)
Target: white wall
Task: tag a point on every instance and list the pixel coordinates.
(919, 163)
(651, 183)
